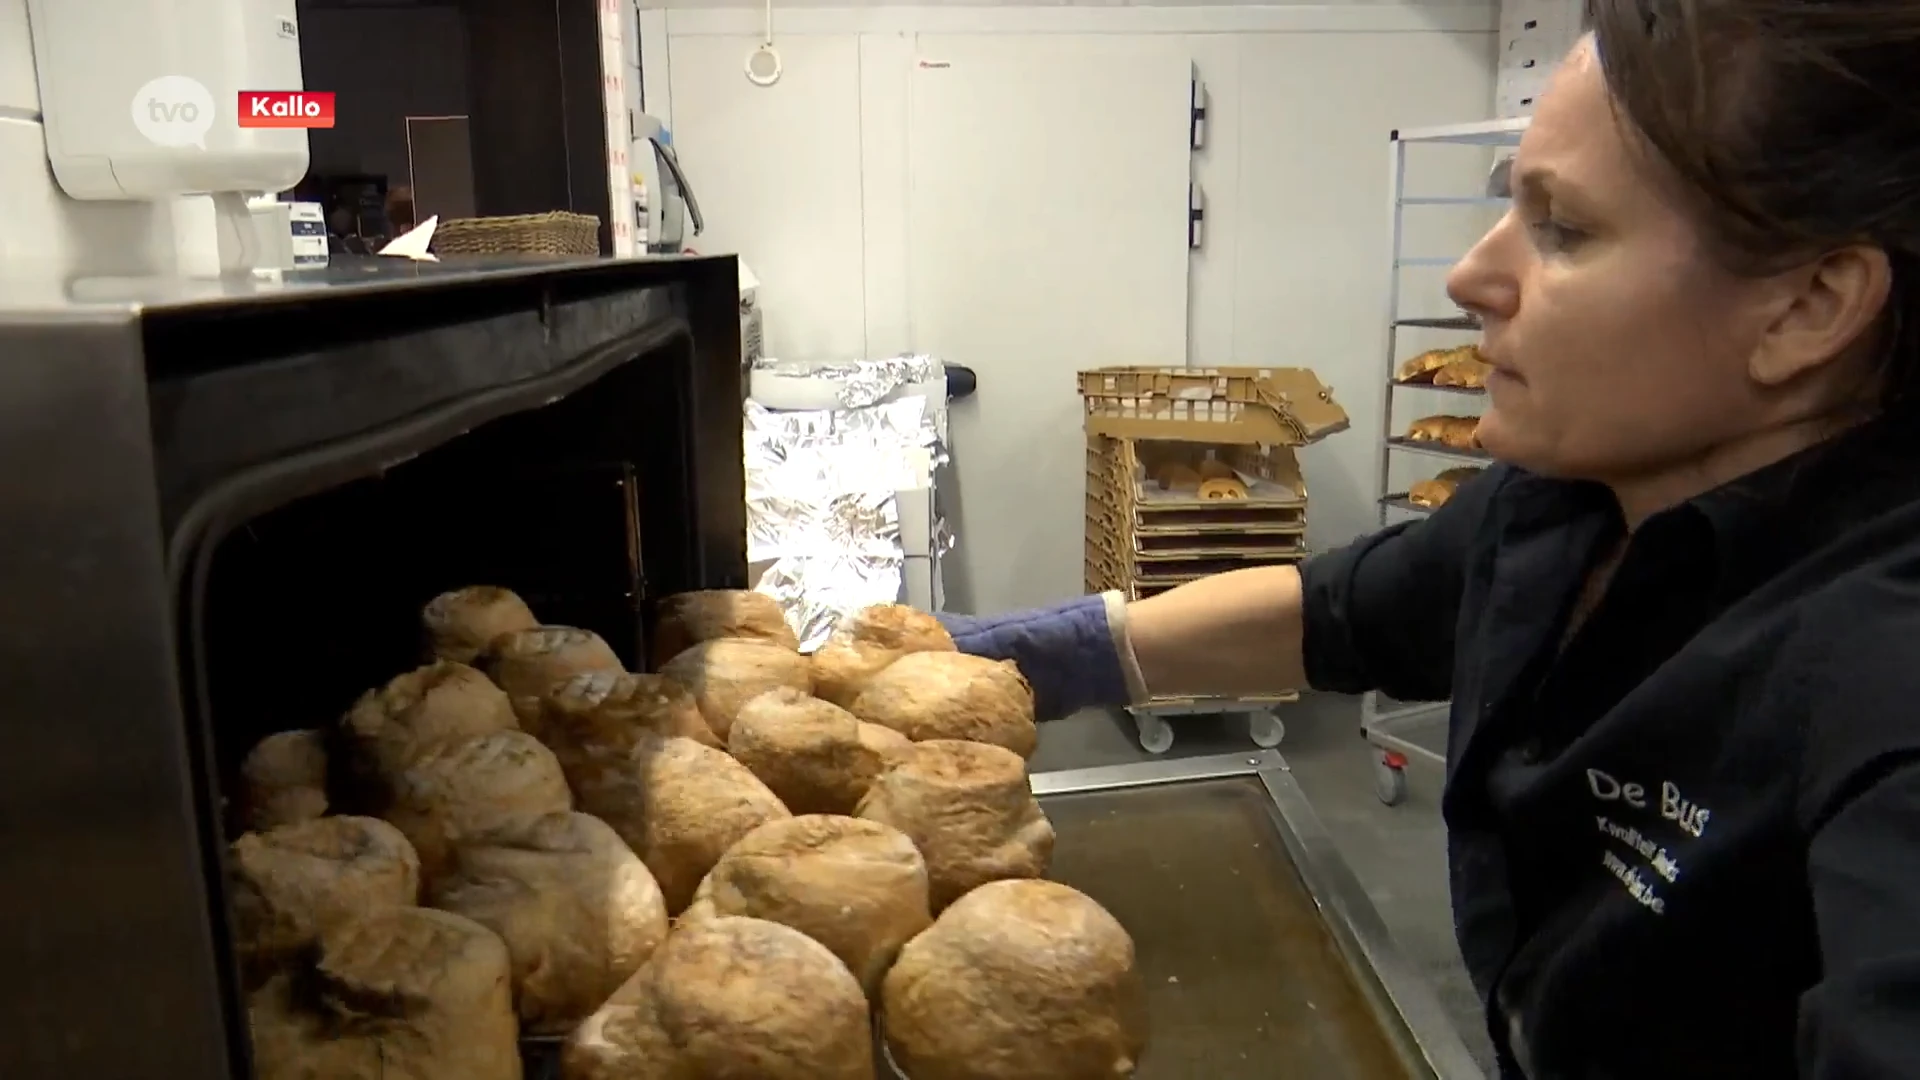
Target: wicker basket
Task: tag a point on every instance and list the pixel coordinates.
(558, 233)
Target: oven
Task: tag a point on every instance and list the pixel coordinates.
(224, 507)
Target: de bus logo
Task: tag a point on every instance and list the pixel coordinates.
(175, 110)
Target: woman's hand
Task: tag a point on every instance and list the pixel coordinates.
(1235, 633)
(1074, 654)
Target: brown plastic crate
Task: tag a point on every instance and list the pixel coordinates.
(1117, 472)
(1284, 406)
(1139, 541)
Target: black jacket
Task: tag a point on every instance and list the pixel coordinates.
(1686, 845)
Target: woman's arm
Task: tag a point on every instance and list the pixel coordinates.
(1233, 633)
(1859, 800)
(1378, 614)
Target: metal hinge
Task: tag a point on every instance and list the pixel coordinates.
(1197, 114)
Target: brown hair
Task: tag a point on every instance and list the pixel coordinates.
(1794, 127)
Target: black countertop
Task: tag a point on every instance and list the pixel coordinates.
(43, 298)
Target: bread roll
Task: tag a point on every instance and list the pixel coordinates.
(528, 663)
(857, 887)
(687, 619)
(1214, 490)
(469, 790)
(1018, 980)
(1423, 368)
(1461, 432)
(812, 754)
(283, 780)
(951, 695)
(596, 716)
(969, 808)
(398, 992)
(742, 999)
(288, 884)
(726, 673)
(1432, 494)
(462, 623)
(414, 714)
(869, 640)
(577, 909)
(1456, 432)
(679, 805)
(1466, 371)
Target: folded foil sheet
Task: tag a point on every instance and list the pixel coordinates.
(862, 382)
(816, 592)
(822, 505)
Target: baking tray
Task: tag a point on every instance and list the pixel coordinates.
(1261, 953)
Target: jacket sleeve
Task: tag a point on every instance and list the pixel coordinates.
(1861, 806)
(1862, 1020)
(1380, 613)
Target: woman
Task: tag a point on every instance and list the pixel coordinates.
(1680, 623)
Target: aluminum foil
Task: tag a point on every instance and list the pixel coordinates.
(816, 592)
(862, 382)
(822, 505)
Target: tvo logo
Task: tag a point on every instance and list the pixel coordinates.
(173, 110)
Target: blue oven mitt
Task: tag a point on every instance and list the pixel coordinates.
(1075, 654)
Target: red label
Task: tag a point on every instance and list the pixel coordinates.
(286, 109)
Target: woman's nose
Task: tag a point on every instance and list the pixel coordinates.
(1483, 282)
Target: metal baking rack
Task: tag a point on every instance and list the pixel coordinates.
(1385, 725)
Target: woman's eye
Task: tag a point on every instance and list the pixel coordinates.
(1549, 235)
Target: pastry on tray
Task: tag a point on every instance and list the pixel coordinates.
(1468, 373)
(1223, 488)
(1453, 432)
(1434, 493)
(1426, 367)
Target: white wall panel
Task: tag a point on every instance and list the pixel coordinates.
(1312, 268)
(777, 170)
(1216, 171)
(1048, 188)
(1534, 36)
(886, 70)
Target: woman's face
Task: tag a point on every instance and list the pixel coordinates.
(1619, 348)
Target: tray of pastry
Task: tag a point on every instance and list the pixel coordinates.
(1450, 436)
(1210, 482)
(1426, 496)
(1460, 369)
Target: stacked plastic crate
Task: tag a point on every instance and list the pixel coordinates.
(1192, 472)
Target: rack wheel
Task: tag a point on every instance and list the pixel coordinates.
(1390, 778)
(1265, 728)
(1156, 735)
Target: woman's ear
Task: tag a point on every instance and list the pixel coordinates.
(1826, 309)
